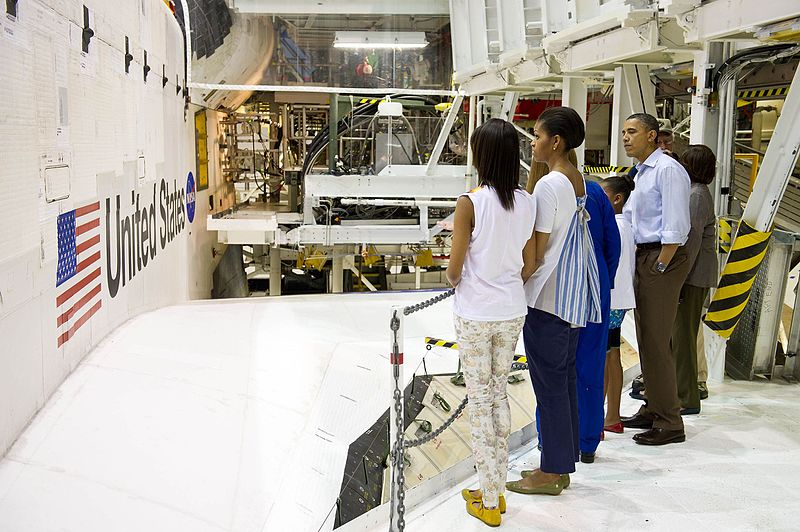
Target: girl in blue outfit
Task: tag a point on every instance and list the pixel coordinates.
(590, 360)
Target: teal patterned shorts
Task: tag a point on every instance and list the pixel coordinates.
(617, 315)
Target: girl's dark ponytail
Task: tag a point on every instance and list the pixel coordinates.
(620, 184)
(630, 182)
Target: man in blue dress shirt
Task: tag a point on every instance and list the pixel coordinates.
(658, 210)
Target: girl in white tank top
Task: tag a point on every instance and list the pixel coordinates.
(492, 255)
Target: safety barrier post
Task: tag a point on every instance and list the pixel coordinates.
(396, 421)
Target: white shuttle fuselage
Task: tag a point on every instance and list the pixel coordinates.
(101, 217)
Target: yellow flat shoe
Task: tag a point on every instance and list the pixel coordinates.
(490, 517)
(476, 496)
(564, 477)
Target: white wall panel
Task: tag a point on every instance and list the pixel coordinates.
(21, 370)
(84, 110)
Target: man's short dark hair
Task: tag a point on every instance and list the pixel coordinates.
(648, 121)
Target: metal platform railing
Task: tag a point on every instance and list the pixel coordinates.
(396, 420)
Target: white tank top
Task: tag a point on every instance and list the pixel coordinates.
(491, 282)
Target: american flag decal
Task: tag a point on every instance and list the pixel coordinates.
(78, 276)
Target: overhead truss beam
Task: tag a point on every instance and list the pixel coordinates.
(340, 7)
(727, 18)
(321, 90)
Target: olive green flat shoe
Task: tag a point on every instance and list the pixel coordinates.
(564, 477)
(551, 488)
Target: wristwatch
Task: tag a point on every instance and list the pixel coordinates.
(661, 267)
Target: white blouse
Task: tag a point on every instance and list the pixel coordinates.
(491, 279)
(622, 297)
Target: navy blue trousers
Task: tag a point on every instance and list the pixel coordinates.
(550, 346)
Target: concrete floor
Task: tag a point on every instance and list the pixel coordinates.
(738, 470)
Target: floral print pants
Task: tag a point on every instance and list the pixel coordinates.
(486, 349)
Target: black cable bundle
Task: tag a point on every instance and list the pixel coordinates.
(359, 115)
(767, 51)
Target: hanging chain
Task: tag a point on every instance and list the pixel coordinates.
(398, 465)
(428, 302)
(398, 449)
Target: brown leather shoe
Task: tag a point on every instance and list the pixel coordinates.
(637, 421)
(657, 436)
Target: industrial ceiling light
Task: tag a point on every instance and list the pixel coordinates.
(402, 40)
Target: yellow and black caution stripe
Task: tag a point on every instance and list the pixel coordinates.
(369, 100)
(606, 169)
(430, 342)
(764, 93)
(747, 252)
(725, 230)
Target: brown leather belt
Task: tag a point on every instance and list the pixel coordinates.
(647, 246)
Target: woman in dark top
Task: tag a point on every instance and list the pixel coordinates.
(700, 164)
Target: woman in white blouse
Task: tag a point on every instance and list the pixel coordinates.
(562, 295)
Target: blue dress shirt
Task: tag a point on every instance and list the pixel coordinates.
(658, 208)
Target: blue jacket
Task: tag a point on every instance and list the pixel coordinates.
(605, 235)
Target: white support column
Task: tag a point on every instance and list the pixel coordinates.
(473, 102)
(619, 112)
(704, 122)
(573, 95)
(424, 223)
(274, 271)
(633, 93)
(509, 106)
(724, 151)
